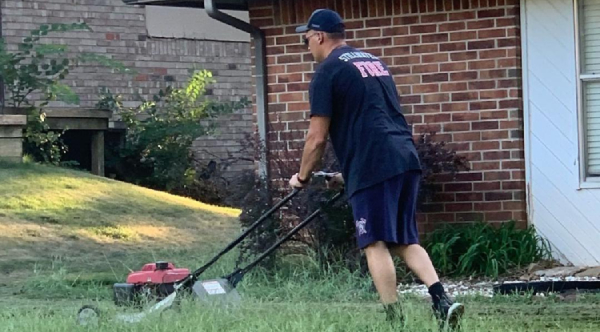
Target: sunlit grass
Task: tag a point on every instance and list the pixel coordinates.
(55, 195)
(114, 232)
(86, 222)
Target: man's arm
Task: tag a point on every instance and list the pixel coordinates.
(321, 110)
(314, 147)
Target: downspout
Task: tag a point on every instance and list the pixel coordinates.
(261, 78)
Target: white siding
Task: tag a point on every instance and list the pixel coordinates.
(568, 216)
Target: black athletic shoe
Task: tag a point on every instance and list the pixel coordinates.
(449, 313)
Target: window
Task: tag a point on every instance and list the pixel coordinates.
(589, 75)
(192, 23)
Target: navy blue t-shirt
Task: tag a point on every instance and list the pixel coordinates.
(369, 134)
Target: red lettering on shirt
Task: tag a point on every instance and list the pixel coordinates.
(381, 69)
(371, 68)
(359, 65)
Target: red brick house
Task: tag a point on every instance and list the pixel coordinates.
(457, 69)
(512, 84)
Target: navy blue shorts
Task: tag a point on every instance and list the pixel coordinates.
(387, 211)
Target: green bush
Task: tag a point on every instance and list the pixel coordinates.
(40, 143)
(156, 152)
(482, 249)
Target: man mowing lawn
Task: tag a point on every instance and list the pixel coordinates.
(353, 99)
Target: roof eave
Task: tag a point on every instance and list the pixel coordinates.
(223, 4)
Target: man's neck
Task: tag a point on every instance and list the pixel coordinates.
(333, 46)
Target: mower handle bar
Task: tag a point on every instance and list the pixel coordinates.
(327, 176)
(235, 277)
(257, 223)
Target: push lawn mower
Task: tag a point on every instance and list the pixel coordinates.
(162, 281)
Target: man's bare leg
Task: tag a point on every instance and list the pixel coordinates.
(383, 272)
(418, 261)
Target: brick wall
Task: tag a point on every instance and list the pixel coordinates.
(457, 68)
(119, 31)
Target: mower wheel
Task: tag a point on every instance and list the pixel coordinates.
(88, 315)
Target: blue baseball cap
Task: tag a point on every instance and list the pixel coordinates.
(325, 20)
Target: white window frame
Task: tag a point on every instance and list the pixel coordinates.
(585, 181)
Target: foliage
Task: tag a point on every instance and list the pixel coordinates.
(208, 185)
(255, 203)
(484, 250)
(253, 194)
(437, 160)
(156, 152)
(331, 237)
(36, 67)
(39, 68)
(40, 143)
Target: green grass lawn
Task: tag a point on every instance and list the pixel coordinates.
(317, 314)
(67, 236)
(54, 219)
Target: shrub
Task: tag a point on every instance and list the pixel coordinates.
(41, 144)
(331, 237)
(160, 132)
(255, 203)
(437, 160)
(208, 185)
(484, 250)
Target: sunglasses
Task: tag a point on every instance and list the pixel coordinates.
(305, 39)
